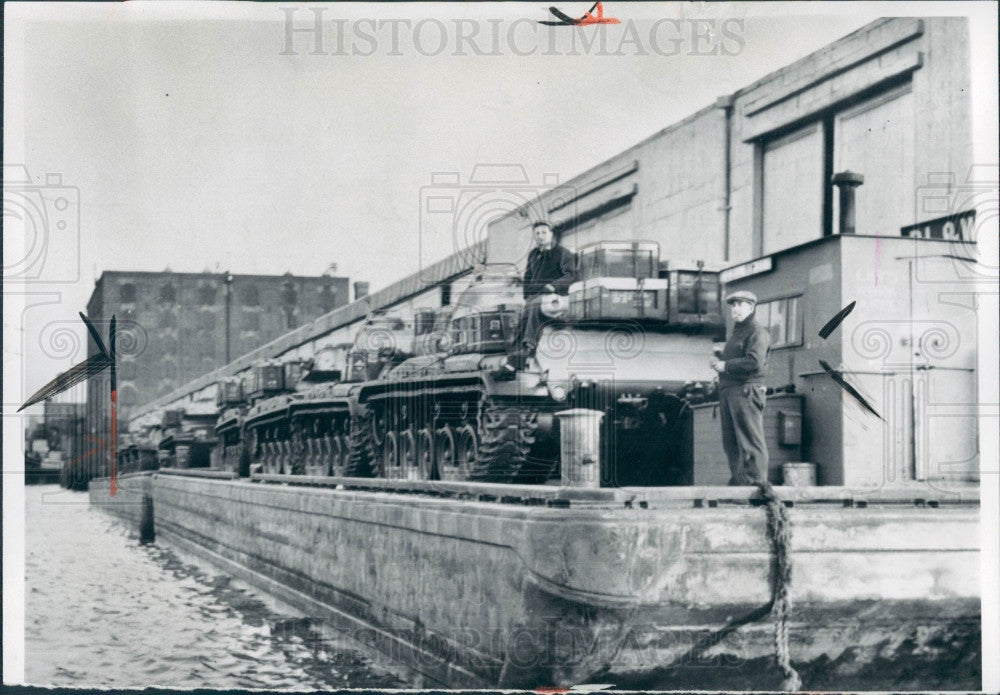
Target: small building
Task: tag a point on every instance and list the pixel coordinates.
(907, 349)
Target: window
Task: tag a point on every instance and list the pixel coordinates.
(250, 322)
(446, 294)
(127, 370)
(128, 395)
(206, 295)
(251, 295)
(168, 293)
(783, 319)
(127, 293)
(327, 299)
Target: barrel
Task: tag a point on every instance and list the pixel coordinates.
(799, 474)
(580, 445)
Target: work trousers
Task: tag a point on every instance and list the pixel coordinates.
(529, 325)
(742, 412)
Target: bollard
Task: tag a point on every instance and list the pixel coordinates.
(147, 533)
(580, 444)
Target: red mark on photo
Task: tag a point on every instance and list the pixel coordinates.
(587, 19)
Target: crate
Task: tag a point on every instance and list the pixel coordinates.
(172, 418)
(488, 331)
(292, 373)
(230, 392)
(619, 298)
(695, 297)
(266, 379)
(622, 259)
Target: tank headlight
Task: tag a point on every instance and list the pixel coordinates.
(558, 392)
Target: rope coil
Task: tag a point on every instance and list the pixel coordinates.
(779, 529)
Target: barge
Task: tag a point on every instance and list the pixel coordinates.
(483, 585)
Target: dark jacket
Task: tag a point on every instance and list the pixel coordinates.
(745, 354)
(556, 267)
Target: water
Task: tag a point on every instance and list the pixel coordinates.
(103, 611)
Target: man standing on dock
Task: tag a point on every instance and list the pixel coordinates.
(741, 392)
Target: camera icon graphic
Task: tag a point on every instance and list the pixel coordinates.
(493, 191)
(41, 228)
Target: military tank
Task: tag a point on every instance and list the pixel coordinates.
(233, 406)
(625, 342)
(302, 422)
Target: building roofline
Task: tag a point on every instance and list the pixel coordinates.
(825, 239)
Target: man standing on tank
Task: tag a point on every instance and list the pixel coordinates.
(742, 392)
(551, 269)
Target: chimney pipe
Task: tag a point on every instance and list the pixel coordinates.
(847, 181)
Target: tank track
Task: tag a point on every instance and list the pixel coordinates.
(506, 437)
(362, 447)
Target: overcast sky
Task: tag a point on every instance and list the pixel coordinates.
(201, 137)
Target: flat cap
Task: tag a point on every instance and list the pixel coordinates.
(742, 296)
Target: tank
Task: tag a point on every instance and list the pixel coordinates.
(233, 405)
(306, 426)
(624, 344)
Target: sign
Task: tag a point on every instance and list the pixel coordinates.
(737, 272)
(957, 227)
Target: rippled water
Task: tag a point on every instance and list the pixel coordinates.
(102, 610)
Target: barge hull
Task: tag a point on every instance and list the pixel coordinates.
(484, 594)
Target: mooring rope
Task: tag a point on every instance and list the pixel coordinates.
(779, 528)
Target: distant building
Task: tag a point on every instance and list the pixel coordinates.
(174, 327)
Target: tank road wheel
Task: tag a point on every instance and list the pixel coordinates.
(425, 455)
(466, 451)
(269, 458)
(362, 461)
(379, 427)
(307, 455)
(341, 456)
(297, 452)
(337, 451)
(444, 447)
(408, 455)
(390, 455)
